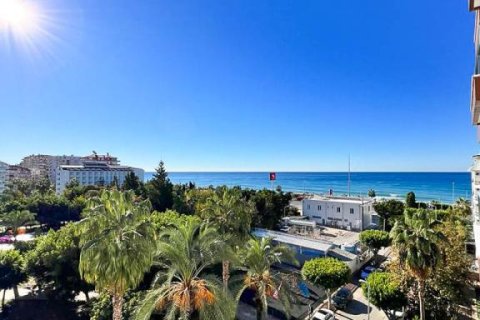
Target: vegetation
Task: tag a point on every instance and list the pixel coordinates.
(53, 262)
(257, 260)
(372, 193)
(116, 244)
(388, 209)
(416, 240)
(182, 289)
(16, 219)
(232, 217)
(170, 262)
(11, 271)
(385, 291)
(329, 273)
(160, 190)
(375, 240)
(410, 200)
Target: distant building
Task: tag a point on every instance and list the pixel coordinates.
(93, 173)
(107, 158)
(18, 172)
(56, 161)
(42, 165)
(39, 164)
(340, 212)
(3, 176)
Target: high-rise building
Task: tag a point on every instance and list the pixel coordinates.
(18, 172)
(474, 5)
(93, 173)
(38, 164)
(3, 176)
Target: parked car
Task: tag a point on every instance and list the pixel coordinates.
(366, 272)
(342, 297)
(324, 314)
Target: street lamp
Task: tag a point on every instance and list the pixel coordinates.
(368, 297)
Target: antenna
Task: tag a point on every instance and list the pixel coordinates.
(348, 186)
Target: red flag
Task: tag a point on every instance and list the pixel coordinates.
(273, 176)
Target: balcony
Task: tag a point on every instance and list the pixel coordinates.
(473, 5)
(475, 100)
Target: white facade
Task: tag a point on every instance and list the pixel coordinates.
(340, 212)
(475, 170)
(93, 173)
(3, 176)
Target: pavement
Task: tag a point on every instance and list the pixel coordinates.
(358, 309)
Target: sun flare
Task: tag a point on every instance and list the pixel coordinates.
(18, 16)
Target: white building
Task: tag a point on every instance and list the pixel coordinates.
(474, 5)
(93, 173)
(340, 212)
(3, 175)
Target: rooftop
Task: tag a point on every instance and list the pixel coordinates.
(319, 245)
(356, 200)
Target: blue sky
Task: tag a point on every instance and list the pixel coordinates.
(244, 85)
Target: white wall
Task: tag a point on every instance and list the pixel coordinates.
(335, 212)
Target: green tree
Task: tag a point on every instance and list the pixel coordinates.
(118, 244)
(164, 220)
(182, 288)
(410, 200)
(132, 182)
(463, 207)
(11, 271)
(375, 240)
(232, 215)
(385, 291)
(330, 273)
(17, 219)
(257, 259)
(160, 189)
(372, 193)
(53, 262)
(387, 209)
(416, 239)
(270, 206)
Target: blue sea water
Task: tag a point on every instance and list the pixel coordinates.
(439, 186)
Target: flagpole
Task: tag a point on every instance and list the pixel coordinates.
(349, 174)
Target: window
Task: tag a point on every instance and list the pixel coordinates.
(319, 208)
(338, 209)
(352, 211)
(308, 207)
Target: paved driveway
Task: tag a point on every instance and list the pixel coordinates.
(357, 309)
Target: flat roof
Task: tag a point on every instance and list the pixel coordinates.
(357, 200)
(294, 240)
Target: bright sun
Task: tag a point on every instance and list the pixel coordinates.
(17, 15)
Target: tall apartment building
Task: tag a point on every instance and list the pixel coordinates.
(42, 165)
(474, 5)
(18, 172)
(38, 164)
(93, 173)
(3, 176)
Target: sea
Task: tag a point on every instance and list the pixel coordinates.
(439, 186)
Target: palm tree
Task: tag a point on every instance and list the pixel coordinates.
(418, 244)
(118, 244)
(232, 215)
(463, 207)
(183, 289)
(258, 257)
(17, 219)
